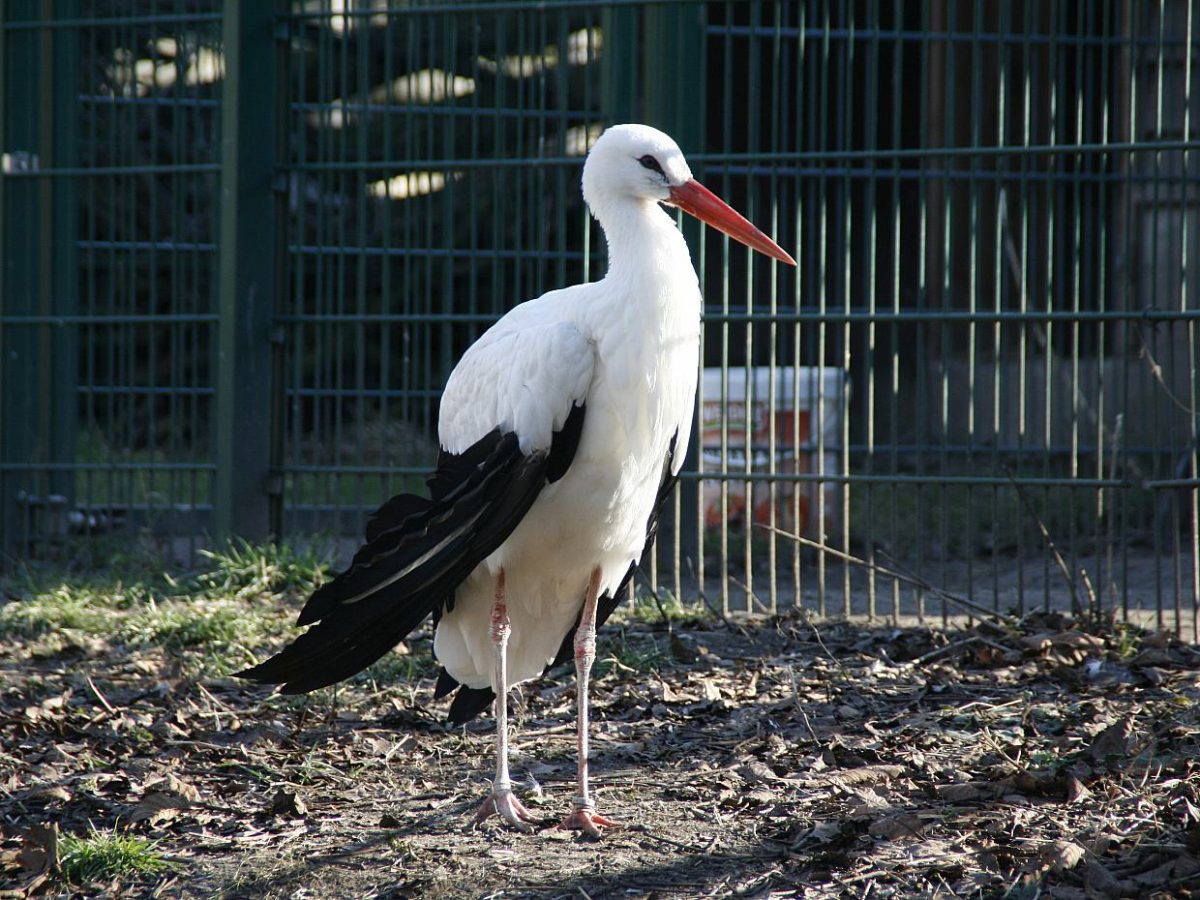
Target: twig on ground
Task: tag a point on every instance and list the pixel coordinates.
(969, 605)
(716, 611)
(99, 696)
(1076, 605)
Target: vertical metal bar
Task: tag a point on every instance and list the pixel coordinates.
(947, 192)
(1106, 223)
(1130, 210)
(1053, 280)
(246, 272)
(18, 288)
(673, 42)
(1000, 223)
(1150, 334)
(872, 85)
(978, 62)
(1027, 96)
(1078, 400)
(840, 489)
(823, 253)
(618, 68)
(723, 524)
(893, 373)
(280, 259)
(931, 127)
(1193, 464)
(59, 261)
(8, 489)
(752, 395)
(773, 372)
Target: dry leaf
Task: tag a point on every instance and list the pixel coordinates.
(1152, 656)
(680, 650)
(175, 785)
(1076, 789)
(36, 858)
(287, 802)
(820, 833)
(1100, 882)
(904, 825)
(1112, 741)
(54, 793)
(969, 790)
(1077, 640)
(159, 806)
(755, 772)
(866, 775)
(1036, 643)
(1063, 855)
(866, 804)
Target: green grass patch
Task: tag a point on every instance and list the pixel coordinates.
(245, 571)
(103, 856)
(63, 608)
(667, 608)
(218, 617)
(632, 653)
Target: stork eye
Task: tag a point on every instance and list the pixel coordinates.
(649, 162)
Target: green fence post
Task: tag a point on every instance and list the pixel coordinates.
(19, 414)
(59, 261)
(619, 64)
(673, 81)
(246, 272)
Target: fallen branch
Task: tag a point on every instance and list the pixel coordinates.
(909, 578)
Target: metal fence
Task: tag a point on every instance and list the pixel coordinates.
(242, 248)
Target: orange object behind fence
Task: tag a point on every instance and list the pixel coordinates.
(807, 410)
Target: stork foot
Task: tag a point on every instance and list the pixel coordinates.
(587, 820)
(505, 805)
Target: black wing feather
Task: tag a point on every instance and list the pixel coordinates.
(418, 551)
(468, 703)
(564, 445)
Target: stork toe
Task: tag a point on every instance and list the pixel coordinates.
(505, 805)
(587, 820)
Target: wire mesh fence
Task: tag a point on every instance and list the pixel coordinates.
(243, 248)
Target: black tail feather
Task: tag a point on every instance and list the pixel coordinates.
(445, 684)
(442, 531)
(468, 703)
(420, 553)
(417, 552)
(394, 512)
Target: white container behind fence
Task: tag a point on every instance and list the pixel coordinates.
(809, 405)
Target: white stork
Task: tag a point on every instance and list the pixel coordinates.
(562, 432)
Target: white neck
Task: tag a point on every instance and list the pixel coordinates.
(643, 243)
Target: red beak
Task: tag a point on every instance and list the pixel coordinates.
(697, 200)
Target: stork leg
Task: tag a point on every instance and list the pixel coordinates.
(502, 801)
(584, 816)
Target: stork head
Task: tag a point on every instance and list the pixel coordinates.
(641, 164)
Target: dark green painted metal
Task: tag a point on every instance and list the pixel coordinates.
(673, 41)
(976, 194)
(247, 271)
(59, 260)
(20, 416)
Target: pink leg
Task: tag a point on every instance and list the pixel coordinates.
(502, 801)
(584, 816)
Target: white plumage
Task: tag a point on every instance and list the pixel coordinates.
(562, 429)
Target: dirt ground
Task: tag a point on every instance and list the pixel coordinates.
(776, 757)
